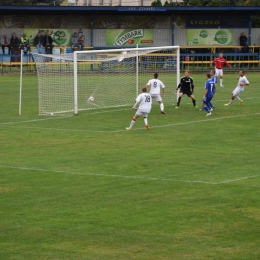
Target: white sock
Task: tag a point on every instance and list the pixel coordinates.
(230, 102)
(221, 80)
(238, 98)
(132, 123)
(162, 106)
(145, 121)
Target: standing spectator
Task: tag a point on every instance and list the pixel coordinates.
(24, 43)
(38, 42)
(76, 42)
(243, 42)
(5, 43)
(186, 87)
(14, 43)
(47, 43)
(220, 62)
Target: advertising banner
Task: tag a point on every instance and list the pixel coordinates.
(216, 21)
(210, 37)
(128, 37)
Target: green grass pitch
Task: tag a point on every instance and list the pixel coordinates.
(82, 187)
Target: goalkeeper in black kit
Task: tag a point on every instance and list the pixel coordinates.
(186, 87)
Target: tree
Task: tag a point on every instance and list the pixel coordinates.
(171, 3)
(157, 3)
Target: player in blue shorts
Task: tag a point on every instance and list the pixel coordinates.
(208, 94)
(215, 80)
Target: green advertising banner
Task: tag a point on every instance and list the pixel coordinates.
(59, 36)
(128, 37)
(210, 37)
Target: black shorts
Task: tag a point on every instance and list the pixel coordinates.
(186, 91)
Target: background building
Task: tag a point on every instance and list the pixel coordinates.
(112, 2)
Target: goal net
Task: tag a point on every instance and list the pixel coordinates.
(103, 78)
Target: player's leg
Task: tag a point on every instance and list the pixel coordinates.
(238, 98)
(179, 99)
(193, 100)
(235, 93)
(133, 120)
(221, 78)
(205, 106)
(161, 107)
(158, 98)
(146, 121)
(210, 105)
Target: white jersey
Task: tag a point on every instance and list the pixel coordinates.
(145, 102)
(243, 81)
(155, 86)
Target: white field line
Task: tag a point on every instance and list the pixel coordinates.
(123, 130)
(127, 177)
(92, 112)
(59, 117)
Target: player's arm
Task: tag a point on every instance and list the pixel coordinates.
(163, 88)
(245, 83)
(179, 86)
(192, 85)
(137, 101)
(213, 62)
(148, 84)
(205, 93)
(227, 64)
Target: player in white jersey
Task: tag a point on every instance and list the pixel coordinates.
(155, 88)
(145, 104)
(242, 82)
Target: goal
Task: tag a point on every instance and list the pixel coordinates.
(103, 78)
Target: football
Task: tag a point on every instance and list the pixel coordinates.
(91, 99)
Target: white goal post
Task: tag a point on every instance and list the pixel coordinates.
(103, 78)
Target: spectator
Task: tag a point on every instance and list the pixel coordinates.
(47, 43)
(243, 42)
(14, 43)
(77, 42)
(38, 42)
(5, 43)
(24, 43)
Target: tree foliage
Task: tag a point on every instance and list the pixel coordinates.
(157, 3)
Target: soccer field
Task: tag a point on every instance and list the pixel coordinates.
(82, 187)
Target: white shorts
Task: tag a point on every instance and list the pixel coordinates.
(219, 72)
(141, 113)
(236, 92)
(157, 97)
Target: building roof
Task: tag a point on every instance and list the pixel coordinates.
(133, 10)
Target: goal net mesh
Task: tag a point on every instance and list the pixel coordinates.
(103, 78)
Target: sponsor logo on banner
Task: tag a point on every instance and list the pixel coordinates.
(115, 22)
(142, 37)
(210, 37)
(18, 22)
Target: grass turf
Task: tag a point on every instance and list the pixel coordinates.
(83, 187)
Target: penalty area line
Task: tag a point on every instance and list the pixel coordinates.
(128, 177)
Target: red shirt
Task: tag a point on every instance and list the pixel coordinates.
(220, 62)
